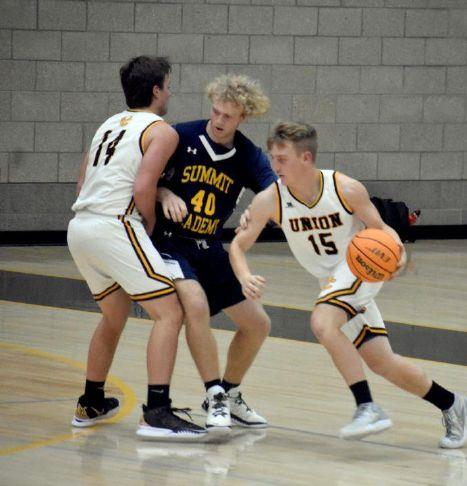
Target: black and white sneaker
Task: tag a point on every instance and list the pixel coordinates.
(217, 408)
(162, 424)
(242, 414)
(87, 414)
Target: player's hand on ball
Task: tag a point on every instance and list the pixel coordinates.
(174, 208)
(253, 286)
(402, 262)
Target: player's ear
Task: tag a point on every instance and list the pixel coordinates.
(155, 91)
(307, 156)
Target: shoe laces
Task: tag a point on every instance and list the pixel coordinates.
(186, 411)
(238, 400)
(450, 422)
(219, 406)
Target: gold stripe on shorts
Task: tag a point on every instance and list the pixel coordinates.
(343, 305)
(106, 292)
(369, 330)
(152, 295)
(339, 293)
(142, 256)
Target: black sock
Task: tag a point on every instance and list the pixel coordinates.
(94, 391)
(226, 385)
(361, 392)
(439, 397)
(158, 396)
(209, 384)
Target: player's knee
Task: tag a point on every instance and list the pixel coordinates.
(319, 328)
(197, 314)
(263, 325)
(382, 364)
(176, 318)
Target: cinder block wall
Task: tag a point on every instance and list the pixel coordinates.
(384, 81)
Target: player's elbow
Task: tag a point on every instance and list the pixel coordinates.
(142, 192)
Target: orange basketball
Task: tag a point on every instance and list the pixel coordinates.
(373, 255)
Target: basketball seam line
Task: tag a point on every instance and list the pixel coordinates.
(366, 256)
(372, 239)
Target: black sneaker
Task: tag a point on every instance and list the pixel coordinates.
(87, 414)
(162, 424)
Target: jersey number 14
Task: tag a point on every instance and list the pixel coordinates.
(110, 147)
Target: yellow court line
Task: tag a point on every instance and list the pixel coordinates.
(128, 394)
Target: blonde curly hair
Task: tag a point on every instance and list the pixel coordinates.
(241, 90)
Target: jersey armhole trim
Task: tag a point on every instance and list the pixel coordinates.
(279, 202)
(143, 135)
(340, 196)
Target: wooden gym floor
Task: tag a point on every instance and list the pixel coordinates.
(46, 320)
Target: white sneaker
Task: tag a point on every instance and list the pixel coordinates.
(217, 407)
(455, 421)
(368, 419)
(242, 414)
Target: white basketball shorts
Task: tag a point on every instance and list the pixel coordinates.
(342, 289)
(113, 252)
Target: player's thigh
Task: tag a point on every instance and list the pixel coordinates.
(194, 300)
(115, 308)
(166, 310)
(249, 315)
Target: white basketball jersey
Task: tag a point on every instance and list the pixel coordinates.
(113, 161)
(318, 234)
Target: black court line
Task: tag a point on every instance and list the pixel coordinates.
(406, 339)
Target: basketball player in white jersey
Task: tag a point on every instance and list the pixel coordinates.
(108, 239)
(319, 212)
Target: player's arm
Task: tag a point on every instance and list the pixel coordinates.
(263, 177)
(161, 142)
(357, 197)
(263, 208)
(82, 173)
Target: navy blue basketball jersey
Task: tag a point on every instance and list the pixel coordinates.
(210, 178)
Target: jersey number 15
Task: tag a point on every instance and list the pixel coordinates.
(329, 246)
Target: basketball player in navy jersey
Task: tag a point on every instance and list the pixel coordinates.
(319, 212)
(203, 181)
(108, 239)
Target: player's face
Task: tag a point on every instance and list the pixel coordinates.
(163, 96)
(224, 120)
(286, 162)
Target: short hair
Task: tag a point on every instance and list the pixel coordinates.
(139, 76)
(303, 137)
(241, 90)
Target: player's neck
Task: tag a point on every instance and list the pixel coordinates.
(226, 142)
(308, 187)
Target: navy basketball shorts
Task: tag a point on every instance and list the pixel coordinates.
(204, 261)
